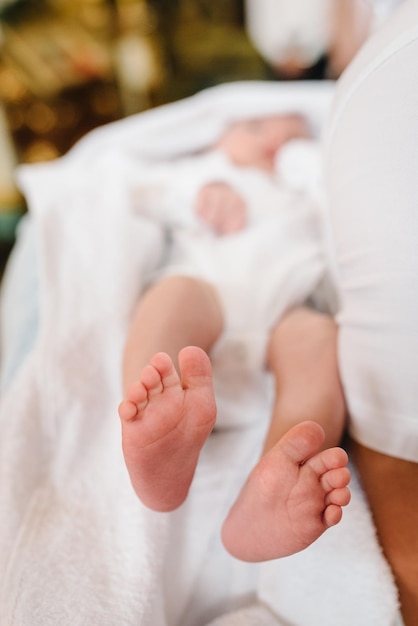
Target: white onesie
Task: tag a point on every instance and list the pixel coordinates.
(260, 272)
(372, 183)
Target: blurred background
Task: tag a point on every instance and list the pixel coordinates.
(67, 66)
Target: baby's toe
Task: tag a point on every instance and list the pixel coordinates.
(332, 515)
(151, 380)
(328, 460)
(137, 393)
(127, 411)
(340, 497)
(335, 479)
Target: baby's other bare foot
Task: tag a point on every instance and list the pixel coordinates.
(165, 422)
(292, 496)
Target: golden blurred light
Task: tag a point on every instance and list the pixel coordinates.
(11, 89)
(40, 118)
(40, 151)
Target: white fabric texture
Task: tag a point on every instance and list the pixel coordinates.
(76, 546)
(19, 314)
(251, 616)
(373, 199)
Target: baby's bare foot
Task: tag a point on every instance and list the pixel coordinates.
(292, 496)
(165, 422)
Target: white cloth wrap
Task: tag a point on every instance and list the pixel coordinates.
(76, 546)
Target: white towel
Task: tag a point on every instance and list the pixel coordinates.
(257, 615)
(76, 546)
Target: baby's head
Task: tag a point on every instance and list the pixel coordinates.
(255, 142)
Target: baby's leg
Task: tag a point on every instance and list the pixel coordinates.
(165, 422)
(299, 486)
(174, 313)
(303, 360)
(291, 497)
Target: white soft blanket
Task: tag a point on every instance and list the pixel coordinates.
(76, 546)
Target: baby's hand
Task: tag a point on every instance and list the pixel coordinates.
(220, 206)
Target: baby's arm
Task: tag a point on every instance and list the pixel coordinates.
(221, 207)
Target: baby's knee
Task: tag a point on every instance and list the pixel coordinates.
(303, 325)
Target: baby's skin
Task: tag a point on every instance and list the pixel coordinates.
(295, 492)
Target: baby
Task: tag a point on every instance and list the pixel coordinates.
(298, 488)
